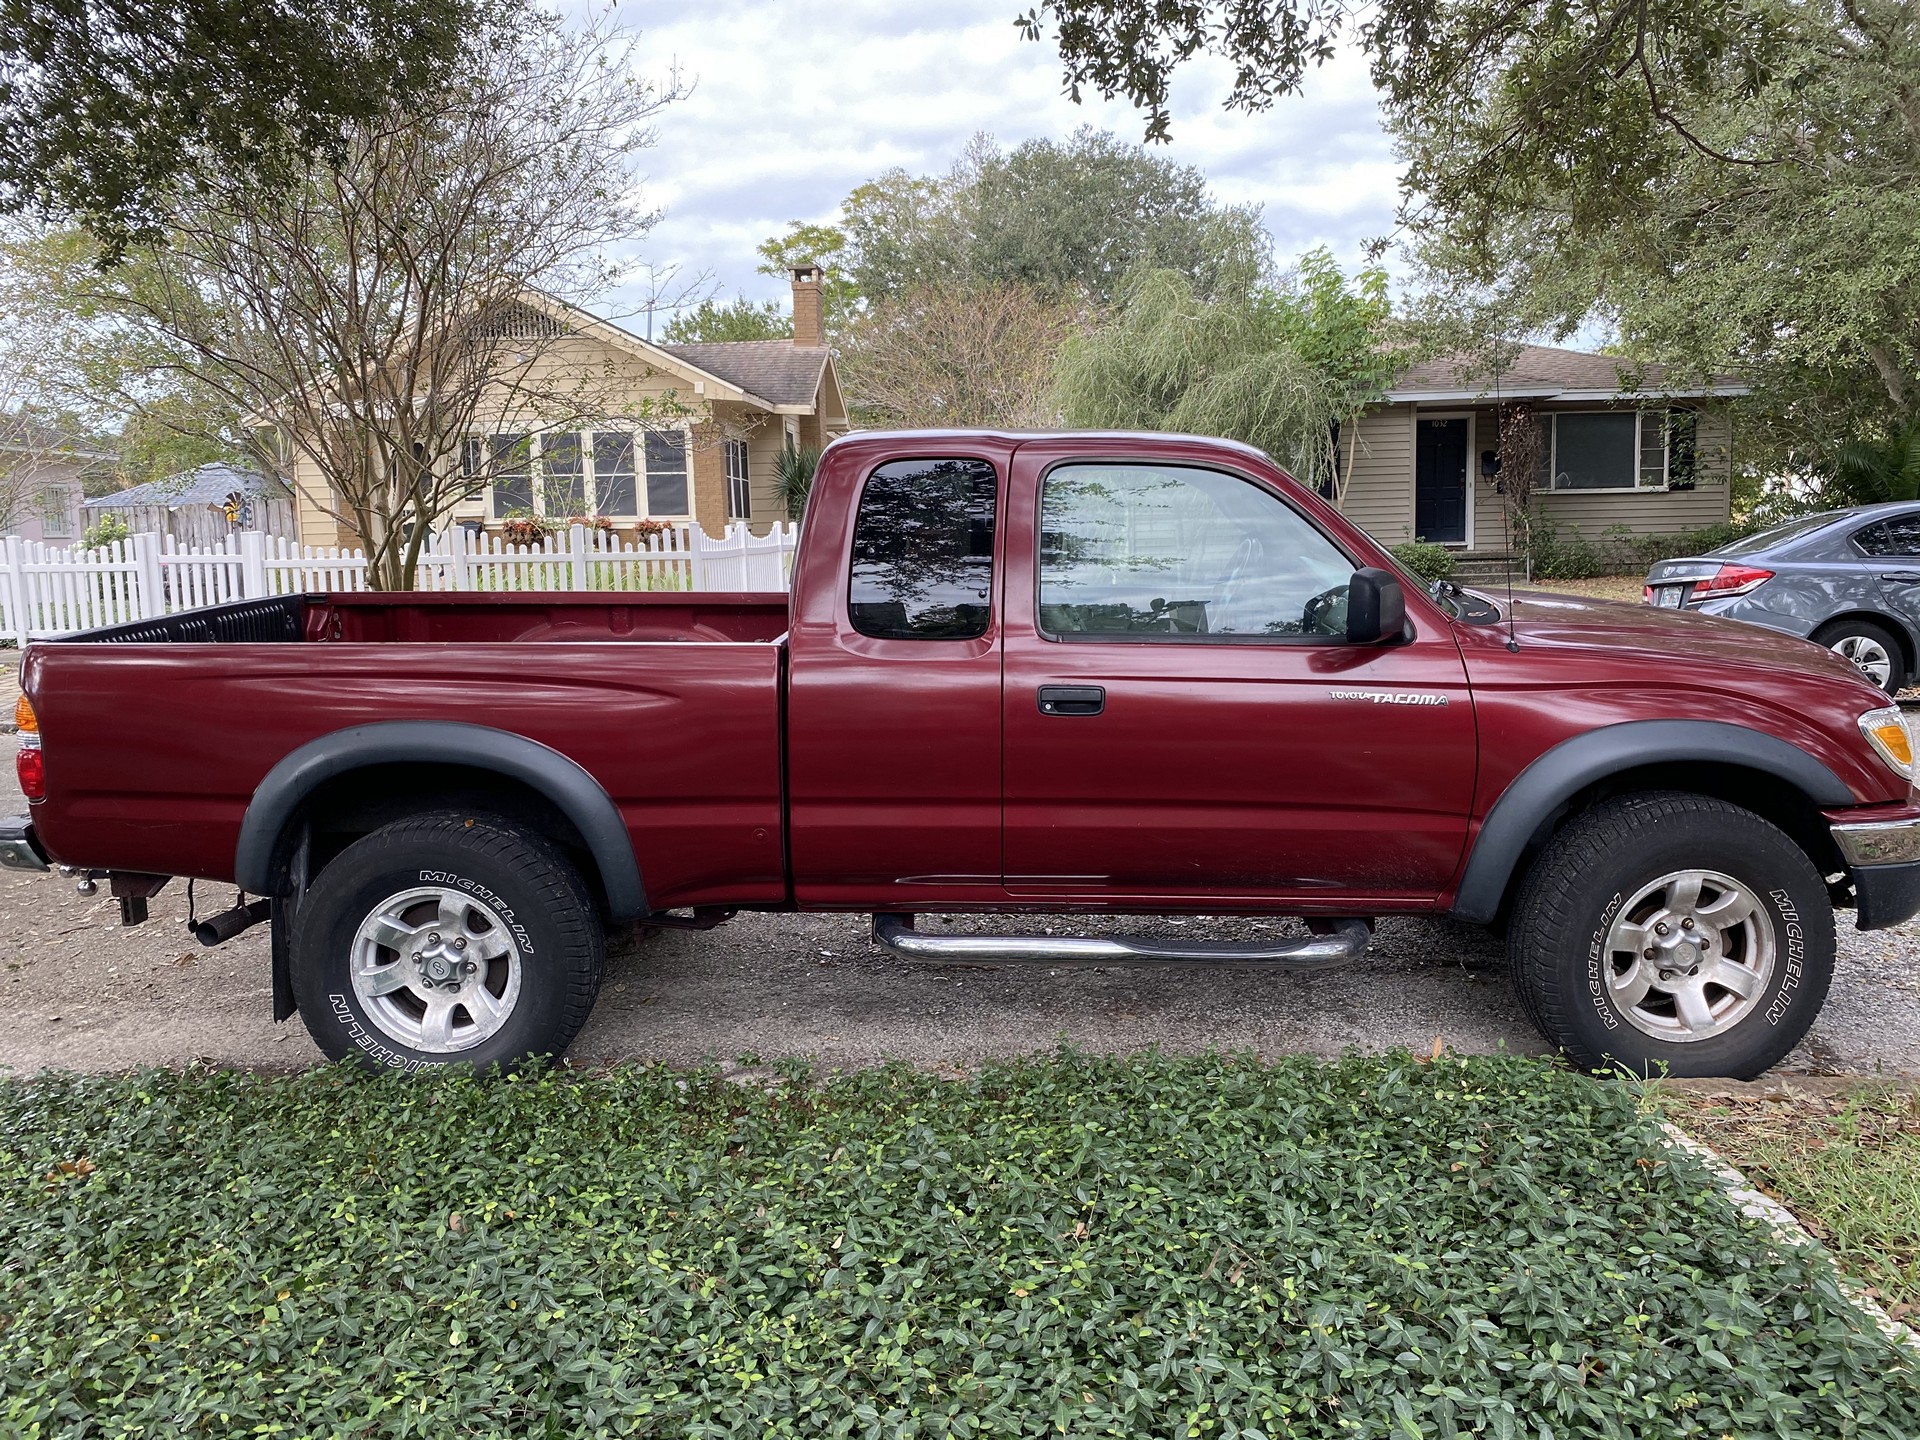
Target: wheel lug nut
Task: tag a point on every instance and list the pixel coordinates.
(1650, 952)
(1662, 928)
(416, 954)
(461, 943)
(1687, 924)
(433, 938)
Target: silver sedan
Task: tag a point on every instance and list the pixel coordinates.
(1846, 579)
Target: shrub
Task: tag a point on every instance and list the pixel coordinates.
(1570, 555)
(107, 530)
(647, 531)
(1429, 562)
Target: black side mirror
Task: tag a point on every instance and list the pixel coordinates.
(1376, 608)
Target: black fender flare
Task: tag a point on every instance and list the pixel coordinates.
(1572, 765)
(578, 796)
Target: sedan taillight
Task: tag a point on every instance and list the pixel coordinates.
(1730, 580)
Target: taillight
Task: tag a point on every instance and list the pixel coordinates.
(1730, 580)
(31, 766)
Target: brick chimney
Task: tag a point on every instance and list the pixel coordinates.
(809, 326)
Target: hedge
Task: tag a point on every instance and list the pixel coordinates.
(1072, 1245)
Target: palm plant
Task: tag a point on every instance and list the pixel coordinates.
(793, 476)
(1868, 471)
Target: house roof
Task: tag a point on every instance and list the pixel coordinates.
(1546, 372)
(208, 485)
(778, 371)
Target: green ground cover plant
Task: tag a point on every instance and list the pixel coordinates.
(1069, 1245)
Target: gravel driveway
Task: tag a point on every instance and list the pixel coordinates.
(81, 993)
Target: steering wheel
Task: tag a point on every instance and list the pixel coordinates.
(1325, 613)
(1247, 558)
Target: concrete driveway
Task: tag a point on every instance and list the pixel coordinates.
(77, 991)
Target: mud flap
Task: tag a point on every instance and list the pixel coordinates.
(281, 922)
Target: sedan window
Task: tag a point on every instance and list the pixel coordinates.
(1899, 536)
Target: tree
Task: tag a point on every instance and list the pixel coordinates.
(1064, 221)
(1172, 361)
(396, 302)
(1731, 186)
(950, 356)
(740, 319)
(111, 111)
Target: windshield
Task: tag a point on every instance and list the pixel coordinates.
(1780, 534)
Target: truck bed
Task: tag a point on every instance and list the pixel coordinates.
(462, 618)
(157, 733)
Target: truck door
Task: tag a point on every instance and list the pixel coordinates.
(1184, 719)
(893, 712)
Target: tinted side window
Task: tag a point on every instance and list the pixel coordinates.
(1898, 536)
(1169, 551)
(923, 551)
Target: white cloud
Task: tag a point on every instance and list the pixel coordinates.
(796, 103)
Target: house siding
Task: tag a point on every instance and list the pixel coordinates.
(1379, 490)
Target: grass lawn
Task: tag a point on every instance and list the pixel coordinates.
(1073, 1245)
(1847, 1163)
(1604, 587)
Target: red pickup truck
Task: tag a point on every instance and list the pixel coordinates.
(1020, 673)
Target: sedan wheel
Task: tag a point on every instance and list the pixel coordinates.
(1870, 654)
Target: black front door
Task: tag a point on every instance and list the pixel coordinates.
(1440, 481)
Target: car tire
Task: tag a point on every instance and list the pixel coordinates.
(447, 939)
(1870, 647)
(1732, 981)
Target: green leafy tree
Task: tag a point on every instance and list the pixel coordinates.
(1728, 186)
(110, 111)
(1063, 221)
(1170, 360)
(739, 319)
(397, 301)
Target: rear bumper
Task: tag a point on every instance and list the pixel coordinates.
(19, 847)
(1884, 859)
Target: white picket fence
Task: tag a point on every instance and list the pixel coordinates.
(46, 592)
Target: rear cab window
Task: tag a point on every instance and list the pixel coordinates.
(923, 551)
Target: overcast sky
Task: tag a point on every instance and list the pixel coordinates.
(796, 102)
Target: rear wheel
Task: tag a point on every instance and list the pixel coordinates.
(1672, 933)
(447, 939)
(1873, 648)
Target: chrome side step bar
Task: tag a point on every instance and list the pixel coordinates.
(1346, 940)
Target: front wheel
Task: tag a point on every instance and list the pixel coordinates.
(446, 939)
(1672, 933)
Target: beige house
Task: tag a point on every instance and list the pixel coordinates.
(719, 417)
(1623, 449)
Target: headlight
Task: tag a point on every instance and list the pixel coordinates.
(1886, 731)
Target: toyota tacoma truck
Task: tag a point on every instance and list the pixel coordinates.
(1016, 673)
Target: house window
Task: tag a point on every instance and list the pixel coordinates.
(563, 477)
(1620, 449)
(55, 521)
(509, 462)
(666, 472)
(565, 474)
(739, 489)
(615, 492)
